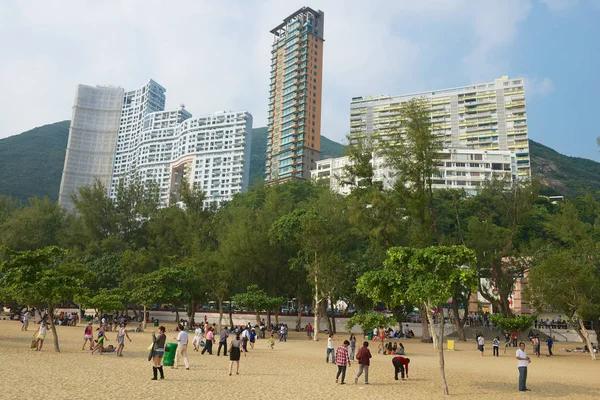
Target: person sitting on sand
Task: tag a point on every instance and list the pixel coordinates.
(400, 350)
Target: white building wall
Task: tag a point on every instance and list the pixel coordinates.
(92, 138)
(457, 169)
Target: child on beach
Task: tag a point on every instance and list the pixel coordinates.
(271, 343)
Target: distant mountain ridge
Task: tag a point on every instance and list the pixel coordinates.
(31, 164)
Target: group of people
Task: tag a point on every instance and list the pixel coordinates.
(344, 356)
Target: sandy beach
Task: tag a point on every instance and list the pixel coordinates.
(294, 370)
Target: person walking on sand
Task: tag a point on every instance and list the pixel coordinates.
(88, 335)
(550, 343)
(223, 335)
(364, 361)
(342, 359)
(182, 343)
(198, 337)
(271, 342)
(352, 346)
(209, 341)
(481, 344)
(235, 353)
(330, 349)
(496, 346)
(41, 335)
(25, 321)
(522, 362)
(400, 364)
(121, 339)
(309, 330)
(158, 351)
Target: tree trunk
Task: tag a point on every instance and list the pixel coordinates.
(268, 318)
(220, 300)
(333, 328)
(441, 353)
(53, 328)
(585, 335)
(276, 315)
(324, 312)
(316, 310)
(258, 317)
(299, 318)
(432, 330)
(143, 319)
(458, 323)
(230, 315)
(426, 336)
(191, 313)
(177, 314)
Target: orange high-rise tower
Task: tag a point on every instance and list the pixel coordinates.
(294, 125)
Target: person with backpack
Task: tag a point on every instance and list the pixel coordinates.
(88, 335)
(364, 361)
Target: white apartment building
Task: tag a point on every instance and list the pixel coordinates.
(457, 169)
(486, 116)
(92, 139)
(163, 146)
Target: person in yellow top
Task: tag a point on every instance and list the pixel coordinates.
(271, 342)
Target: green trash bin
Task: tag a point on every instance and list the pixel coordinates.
(370, 335)
(170, 351)
(155, 322)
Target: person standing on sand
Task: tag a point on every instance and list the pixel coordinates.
(352, 346)
(481, 344)
(234, 354)
(41, 335)
(550, 343)
(198, 337)
(522, 362)
(496, 347)
(400, 363)
(158, 351)
(121, 339)
(330, 349)
(88, 335)
(364, 361)
(309, 331)
(271, 342)
(182, 342)
(223, 335)
(342, 359)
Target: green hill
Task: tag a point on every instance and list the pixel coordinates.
(564, 175)
(31, 163)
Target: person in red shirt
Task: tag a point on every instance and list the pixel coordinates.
(208, 342)
(342, 359)
(400, 363)
(364, 361)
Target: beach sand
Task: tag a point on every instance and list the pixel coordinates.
(294, 370)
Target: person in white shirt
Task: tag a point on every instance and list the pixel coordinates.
(245, 339)
(25, 321)
(330, 349)
(182, 342)
(121, 339)
(522, 362)
(197, 338)
(41, 335)
(481, 344)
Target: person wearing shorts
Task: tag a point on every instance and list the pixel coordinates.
(158, 351)
(100, 341)
(121, 339)
(88, 335)
(41, 335)
(25, 321)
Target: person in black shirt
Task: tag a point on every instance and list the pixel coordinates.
(158, 351)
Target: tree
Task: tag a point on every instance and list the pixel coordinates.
(424, 276)
(41, 277)
(569, 281)
(104, 300)
(254, 298)
(518, 323)
(369, 321)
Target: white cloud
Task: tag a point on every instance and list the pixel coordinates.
(557, 6)
(214, 55)
(538, 87)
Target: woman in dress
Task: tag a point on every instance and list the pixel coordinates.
(158, 351)
(234, 354)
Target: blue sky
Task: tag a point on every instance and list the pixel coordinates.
(215, 55)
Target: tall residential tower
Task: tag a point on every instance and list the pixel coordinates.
(294, 123)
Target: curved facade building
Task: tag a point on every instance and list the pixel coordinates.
(92, 139)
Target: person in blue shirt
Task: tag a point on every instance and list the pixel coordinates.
(550, 343)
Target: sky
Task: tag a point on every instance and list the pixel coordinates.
(215, 55)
